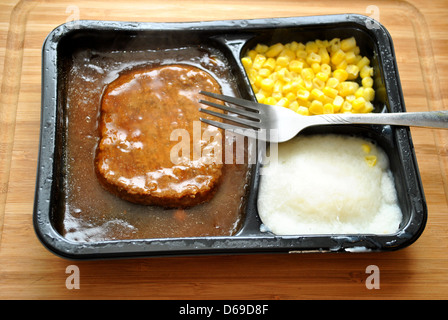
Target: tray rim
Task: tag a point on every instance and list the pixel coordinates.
(63, 247)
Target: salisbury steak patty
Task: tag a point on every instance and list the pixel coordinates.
(139, 111)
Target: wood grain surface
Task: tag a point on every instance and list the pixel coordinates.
(29, 271)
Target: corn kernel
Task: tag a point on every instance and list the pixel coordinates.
(366, 71)
(247, 62)
(307, 74)
(313, 58)
(340, 75)
(283, 75)
(350, 57)
(318, 84)
(316, 67)
(316, 107)
(294, 46)
(287, 88)
(278, 86)
(363, 62)
(369, 94)
(260, 97)
(283, 102)
(328, 108)
(296, 66)
(308, 85)
(291, 96)
(371, 160)
(269, 64)
(337, 57)
(258, 62)
(276, 95)
(337, 103)
(325, 68)
(358, 104)
(303, 94)
(274, 50)
(264, 72)
(294, 106)
(347, 88)
(366, 148)
(335, 45)
(368, 107)
(324, 55)
(348, 44)
(346, 107)
(367, 82)
(301, 54)
(291, 55)
(267, 84)
(332, 82)
(317, 94)
(303, 111)
(359, 92)
(283, 61)
(270, 101)
(352, 71)
(330, 92)
(322, 76)
(261, 48)
(311, 46)
(251, 54)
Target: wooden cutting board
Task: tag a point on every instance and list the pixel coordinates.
(29, 271)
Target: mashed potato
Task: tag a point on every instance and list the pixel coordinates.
(328, 184)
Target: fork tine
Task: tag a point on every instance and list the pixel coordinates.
(245, 122)
(242, 112)
(248, 132)
(240, 102)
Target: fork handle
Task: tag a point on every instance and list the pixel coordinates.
(432, 119)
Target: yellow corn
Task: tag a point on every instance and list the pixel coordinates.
(332, 82)
(348, 88)
(358, 104)
(267, 84)
(274, 50)
(258, 62)
(367, 82)
(348, 44)
(330, 92)
(247, 63)
(371, 160)
(337, 57)
(352, 71)
(366, 148)
(283, 61)
(261, 48)
(295, 66)
(328, 108)
(316, 77)
(303, 94)
(340, 75)
(316, 107)
(303, 111)
(294, 106)
(363, 62)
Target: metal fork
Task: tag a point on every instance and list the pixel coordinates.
(278, 124)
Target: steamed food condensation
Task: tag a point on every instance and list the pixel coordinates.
(329, 184)
(315, 77)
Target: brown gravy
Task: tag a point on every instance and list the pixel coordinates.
(91, 213)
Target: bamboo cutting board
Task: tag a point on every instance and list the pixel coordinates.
(29, 271)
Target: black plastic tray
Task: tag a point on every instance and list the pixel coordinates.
(233, 38)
